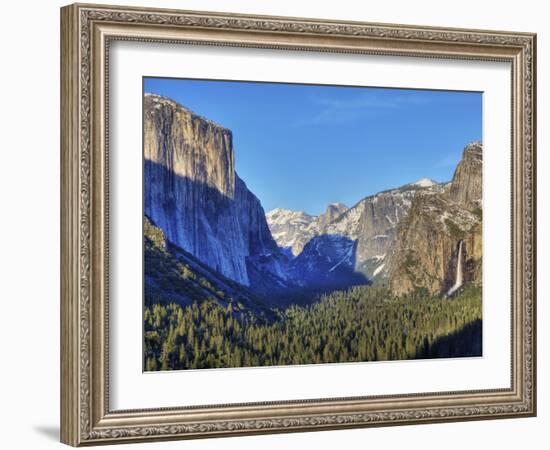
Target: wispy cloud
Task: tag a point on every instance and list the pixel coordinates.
(368, 104)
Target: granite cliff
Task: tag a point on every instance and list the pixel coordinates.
(466, 186)
(442, 235)
(192, 193)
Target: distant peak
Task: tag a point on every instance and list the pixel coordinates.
(276, 211)
(337, 205)
(285, 212)
(473, 150)
(424, 182)
(474, 144)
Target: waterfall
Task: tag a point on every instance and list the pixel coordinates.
(458, 277)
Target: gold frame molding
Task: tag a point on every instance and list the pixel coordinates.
(86, 32)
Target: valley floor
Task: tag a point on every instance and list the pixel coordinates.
(356, 325)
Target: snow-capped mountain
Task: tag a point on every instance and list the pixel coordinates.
(425, 182)
(292, 230)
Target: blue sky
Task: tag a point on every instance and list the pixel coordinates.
(303, 146)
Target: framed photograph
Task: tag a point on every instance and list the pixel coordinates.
(276, 224)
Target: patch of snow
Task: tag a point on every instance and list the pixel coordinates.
(348, 255)
(379, 257)
(378, 269)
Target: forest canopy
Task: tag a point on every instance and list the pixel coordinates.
(359, 324)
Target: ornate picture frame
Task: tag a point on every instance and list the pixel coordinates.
(87, 31)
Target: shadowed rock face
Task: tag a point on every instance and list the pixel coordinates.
(327, 261)
(191, 191)
(174, 276)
